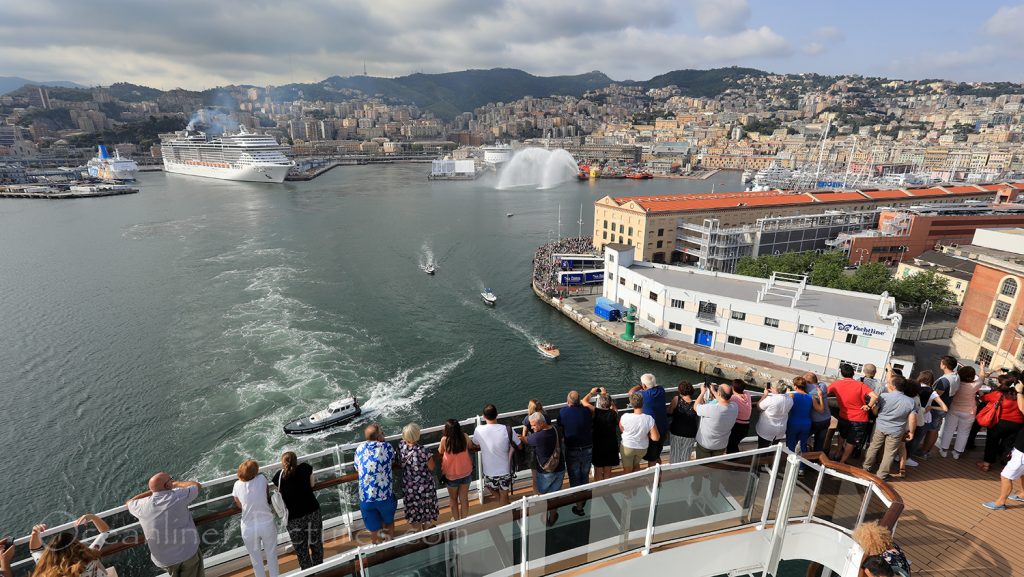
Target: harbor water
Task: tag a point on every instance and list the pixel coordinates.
(177, 329)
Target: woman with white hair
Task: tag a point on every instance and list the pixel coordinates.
(417, 462)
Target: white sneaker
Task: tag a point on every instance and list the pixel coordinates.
(942, 453)
(956, 455)
(912, 463)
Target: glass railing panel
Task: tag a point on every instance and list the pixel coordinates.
(698, 499)
(341, 565)
(428, 555)
(614, 521)
(876, 509)
(840, 501)
(760, 467)
(489, 545)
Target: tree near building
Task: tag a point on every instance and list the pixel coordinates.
(917, 288)
(828, 270)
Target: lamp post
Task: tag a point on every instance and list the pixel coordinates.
(927, 305)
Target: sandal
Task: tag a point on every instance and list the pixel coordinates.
(983, 466)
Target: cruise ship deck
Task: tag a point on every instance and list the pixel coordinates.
(755, 504)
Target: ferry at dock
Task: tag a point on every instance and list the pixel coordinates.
(106, 167)
(244, 156)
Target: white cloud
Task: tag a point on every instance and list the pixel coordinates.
(721, 15)
(813, 48)
(1007, 21)
(193, 44)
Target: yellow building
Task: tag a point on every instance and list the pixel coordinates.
(955, 271)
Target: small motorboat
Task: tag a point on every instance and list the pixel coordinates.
(337, 413)
(509, 215)
(429, 269)
(488, 297)
(549, 350)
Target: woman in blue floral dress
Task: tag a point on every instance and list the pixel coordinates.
(420, 492)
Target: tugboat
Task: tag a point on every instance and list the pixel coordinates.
(336, 413)
(488, 297)
(549, 350)
(429, 269)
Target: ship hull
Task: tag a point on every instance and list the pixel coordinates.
(271, 173)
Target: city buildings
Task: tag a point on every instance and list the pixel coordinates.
(907, 233)
(991, 324)
(782, 320)
(648, 223)
(710, 246)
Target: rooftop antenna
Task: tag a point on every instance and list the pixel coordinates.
(580, 221)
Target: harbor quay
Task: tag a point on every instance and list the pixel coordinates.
(725, 325)
(649, 345)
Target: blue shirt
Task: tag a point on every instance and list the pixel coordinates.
(803, 405)
(826, 413)
(577, 426)
(654, 405)
(373, 461)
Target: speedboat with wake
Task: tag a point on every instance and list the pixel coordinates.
(337, 413)
(488, 297)
(549, 350)
(429, 269)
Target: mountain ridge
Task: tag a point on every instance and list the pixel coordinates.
(12, 83)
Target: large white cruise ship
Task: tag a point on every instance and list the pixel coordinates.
(241, 156)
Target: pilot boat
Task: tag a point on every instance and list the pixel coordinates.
(336, 413)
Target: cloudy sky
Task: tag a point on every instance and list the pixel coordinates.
(202, 43)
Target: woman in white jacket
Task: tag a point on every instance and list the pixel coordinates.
(259, 530)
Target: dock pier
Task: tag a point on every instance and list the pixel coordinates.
(719, 364)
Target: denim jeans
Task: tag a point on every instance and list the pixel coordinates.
(548, 482)
(577, 464)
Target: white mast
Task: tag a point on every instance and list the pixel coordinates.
(580, 221)
(559, 221)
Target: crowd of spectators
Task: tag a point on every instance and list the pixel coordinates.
(900, 421)
(545, 268)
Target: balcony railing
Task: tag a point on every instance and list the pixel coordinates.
(636, 512)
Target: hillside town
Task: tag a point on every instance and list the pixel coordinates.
(837, 130)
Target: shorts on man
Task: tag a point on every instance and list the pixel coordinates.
(852, 432)
(376, 514)
(500, 482)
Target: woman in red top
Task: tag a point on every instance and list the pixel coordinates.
(1011, 420)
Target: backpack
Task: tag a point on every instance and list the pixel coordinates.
(991, 414)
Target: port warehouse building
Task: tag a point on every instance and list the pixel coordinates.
(650, 223)
(782, 320)
(880, 235)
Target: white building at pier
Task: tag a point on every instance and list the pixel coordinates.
(782, 320)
